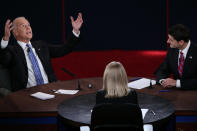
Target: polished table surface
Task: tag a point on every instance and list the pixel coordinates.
(78, 109)
(20, 103)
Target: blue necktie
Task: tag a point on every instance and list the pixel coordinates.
(35, 66)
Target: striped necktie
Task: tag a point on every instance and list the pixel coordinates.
(35, 66)
(181, 64)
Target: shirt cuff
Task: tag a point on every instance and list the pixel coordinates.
(75, 34)
(4, 44)
(178, 83)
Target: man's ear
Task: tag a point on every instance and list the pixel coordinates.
(181, 42)
(14, 32)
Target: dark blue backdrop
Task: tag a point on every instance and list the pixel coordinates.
(45, 17)
(122, 24)
(184, 12)
(108, 24)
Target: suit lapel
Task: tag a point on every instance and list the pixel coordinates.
(38, 50)
(175, 57)
(188, 60)
(20, 53)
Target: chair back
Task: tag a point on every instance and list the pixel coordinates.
(116, 117)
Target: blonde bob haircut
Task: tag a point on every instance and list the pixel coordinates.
(115, 81)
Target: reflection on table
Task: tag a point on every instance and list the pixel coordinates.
(78, 109)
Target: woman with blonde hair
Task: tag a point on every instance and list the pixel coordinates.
(115, 86)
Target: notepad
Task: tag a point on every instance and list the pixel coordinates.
(141, 83)
(42, 96)
(69, 92)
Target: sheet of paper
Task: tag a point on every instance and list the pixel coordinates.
(42, 96)
(141, 83)
(84, 128)
(144, 111)
(69, 92)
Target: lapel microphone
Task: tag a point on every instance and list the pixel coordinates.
(28, 50)
(152, 76)
(73, 76)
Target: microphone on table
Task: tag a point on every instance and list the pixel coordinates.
(150, 86)
(73, 76)
(151, 79)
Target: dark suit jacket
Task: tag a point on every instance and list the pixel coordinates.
(13, 57)
(170, 66)
(130, 98)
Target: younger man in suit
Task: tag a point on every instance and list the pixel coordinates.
(180, 62)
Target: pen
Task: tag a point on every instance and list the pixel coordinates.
(53, 90)
(163, 90)
(134, 79)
